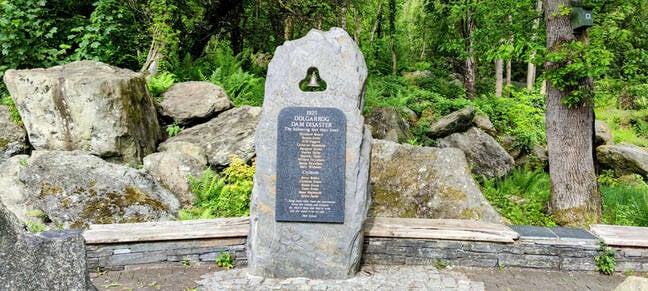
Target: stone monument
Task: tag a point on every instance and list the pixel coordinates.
(310, 196)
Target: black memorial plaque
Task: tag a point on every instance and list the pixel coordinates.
(311, 151)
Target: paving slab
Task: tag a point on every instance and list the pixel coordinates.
(573, 234)
(371, 277)
(534, 232)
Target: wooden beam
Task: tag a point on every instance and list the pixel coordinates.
(167, 230)
(622, 236)
(446, 229)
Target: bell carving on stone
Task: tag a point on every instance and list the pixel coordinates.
(313, 84)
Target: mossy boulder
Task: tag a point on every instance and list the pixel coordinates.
(425, 182)
(87, 106)
(75, 189)
(624, 158)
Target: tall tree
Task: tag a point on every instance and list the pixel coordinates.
(531, 66)
(575, 199)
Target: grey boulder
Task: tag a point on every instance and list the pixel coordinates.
(75, 189)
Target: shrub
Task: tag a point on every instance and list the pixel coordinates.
(521, 116)
(159, 83)
(225, 195)
(242, 87)
(394, 91)
(605, 262)
(521, 197)
(220, 66)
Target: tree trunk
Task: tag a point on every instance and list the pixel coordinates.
(288, 27)
(531, 73)
(356, 26)
(392, 34)
(499, 76)
(469, 69)
(508, 73)
(531, 67)
(376, 29)
(343, 15)
(575, 199)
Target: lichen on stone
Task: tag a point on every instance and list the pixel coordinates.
(49, 189)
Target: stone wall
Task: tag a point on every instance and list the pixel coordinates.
(569, 256)
(550, 256)
(116, 256)
(631, 259)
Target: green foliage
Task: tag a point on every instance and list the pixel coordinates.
(113, 34)
(573, 62)
(521, 197)
(227, 71)
(35, 226)
(242, 87)
(225, 261)
(159, 83)
(605, 262)
(625, 201)
(627, 125)
(34, 33)
(6, 100)
(520, 116)
(395, 91)
(173, 129)
(227, 195)
(441, 264)
(35, 222)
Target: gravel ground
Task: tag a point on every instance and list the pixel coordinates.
(371, 277)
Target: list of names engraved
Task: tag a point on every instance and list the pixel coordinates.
(311, 165)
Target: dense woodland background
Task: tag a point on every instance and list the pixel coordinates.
(488, 54)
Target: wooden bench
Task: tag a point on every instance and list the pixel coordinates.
(622, 236)
(444, 229)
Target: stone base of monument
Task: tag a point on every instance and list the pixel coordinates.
(310, 196)
(370, 277)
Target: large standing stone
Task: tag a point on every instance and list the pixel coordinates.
(310, 249)
(425, 182)
(52, 260)
(86, 106)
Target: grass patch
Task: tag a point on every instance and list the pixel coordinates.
(625, 204)
(626, 125)
(522, 197)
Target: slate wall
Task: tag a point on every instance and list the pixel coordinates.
(525, 254)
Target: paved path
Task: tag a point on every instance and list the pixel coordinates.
(371, 277)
